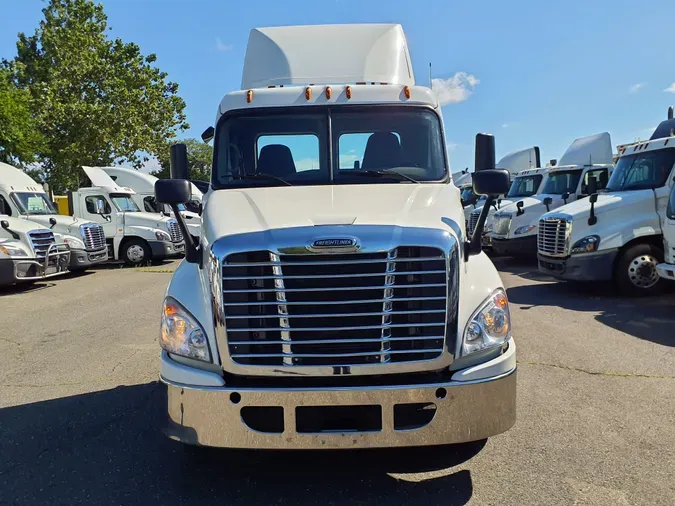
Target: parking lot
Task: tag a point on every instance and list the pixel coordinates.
(80, 408)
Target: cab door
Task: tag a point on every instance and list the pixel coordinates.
(98, 208)
(669, 229)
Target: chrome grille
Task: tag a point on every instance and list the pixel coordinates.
(93, 236)
(552, 237)
(41, 241)
(501, 225)
(174, 231)
(473, 220)
(335, 310)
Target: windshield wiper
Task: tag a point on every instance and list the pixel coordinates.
(262, 176)
(384, 173)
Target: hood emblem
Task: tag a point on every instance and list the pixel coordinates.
(335, 243)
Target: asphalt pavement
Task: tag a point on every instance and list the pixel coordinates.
(80, 409)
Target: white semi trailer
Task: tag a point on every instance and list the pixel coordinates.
(333, 302)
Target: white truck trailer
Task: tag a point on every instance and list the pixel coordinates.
(330, 303)
(22, 197)
(618, 233)
(514, 231)
(132, 236)
(143, 186)
(29, 252)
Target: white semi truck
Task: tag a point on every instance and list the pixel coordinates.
(514, 230)
(143, 186)
(22, 197)
(618, 233)
(29, 252)
(330, 303)
(132, 236)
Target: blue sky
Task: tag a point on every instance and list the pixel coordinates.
(531, 72)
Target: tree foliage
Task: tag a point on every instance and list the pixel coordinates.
(97, 100)
(20, 140)
(199, 156)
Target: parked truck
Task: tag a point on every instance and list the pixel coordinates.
(618, 233)
(143, 186)
(22, 197)
(334, 304)
(514, 230)
(29, 252)
(132, 236)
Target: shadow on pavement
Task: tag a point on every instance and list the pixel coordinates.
(649, 318)
(25, 287)
(106, 447)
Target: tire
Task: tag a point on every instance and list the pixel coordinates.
(136, 252)
(635, 272)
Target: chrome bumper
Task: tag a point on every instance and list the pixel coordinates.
(60, 259)
(465, 411)
(666, 271)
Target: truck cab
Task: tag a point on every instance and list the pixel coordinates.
(334, 300)
(515, 226)
(667, 269)
(21, 197)
(143, 186)
(29, 252)
(524, 184)
(132, 236)
(618, 233)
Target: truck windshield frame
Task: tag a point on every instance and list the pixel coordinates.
(403, 131)
(21, 201)
(570, 187)
(654, 166)
(124, 203)
(516, 189)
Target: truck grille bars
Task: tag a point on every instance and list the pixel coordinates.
(41, 240)
(174, 231)
(552, 237)
(335, 309)
(94, 237)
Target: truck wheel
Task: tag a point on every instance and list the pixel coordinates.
(136, 252)
(636, 270)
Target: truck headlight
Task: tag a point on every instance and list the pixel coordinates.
(588, 244)
(73, 243)
(490, 325)
(162, 236)
(524, 230)
(12, 251)
(181, 334)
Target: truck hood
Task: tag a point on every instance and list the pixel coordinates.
(19, 225)
(64, 224)
(581, 209)
(229, 212)
(144, 219)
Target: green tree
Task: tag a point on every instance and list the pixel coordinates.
(199, 156)
(97, 100)
(20, 140)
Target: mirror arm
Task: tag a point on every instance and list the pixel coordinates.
(192, 251)
(473, 246)
(5, 225)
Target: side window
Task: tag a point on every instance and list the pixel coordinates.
(352, 150)
(601, 177)
(150, 205)
(4, 207)
(284, 155)
(671, 205)
(91, 204)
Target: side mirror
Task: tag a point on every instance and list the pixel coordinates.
(547, 202)
(178, 162)
(565, 196)
(208, 134)
(592, 218)
(592, 185)
(173, 191)
(491, 182)
(520, 204)
(52, 222)
(100, 207)
(5, 224)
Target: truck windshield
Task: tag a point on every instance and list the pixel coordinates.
(524, 186)
(642, 171)
(124, 203)
(562, 182)
(329, 145)
(33, 203)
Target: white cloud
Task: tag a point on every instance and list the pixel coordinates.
(505, 125)
(636, 87)
(221, 46)
(454, 89)
(452, 146)
(670, 89)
